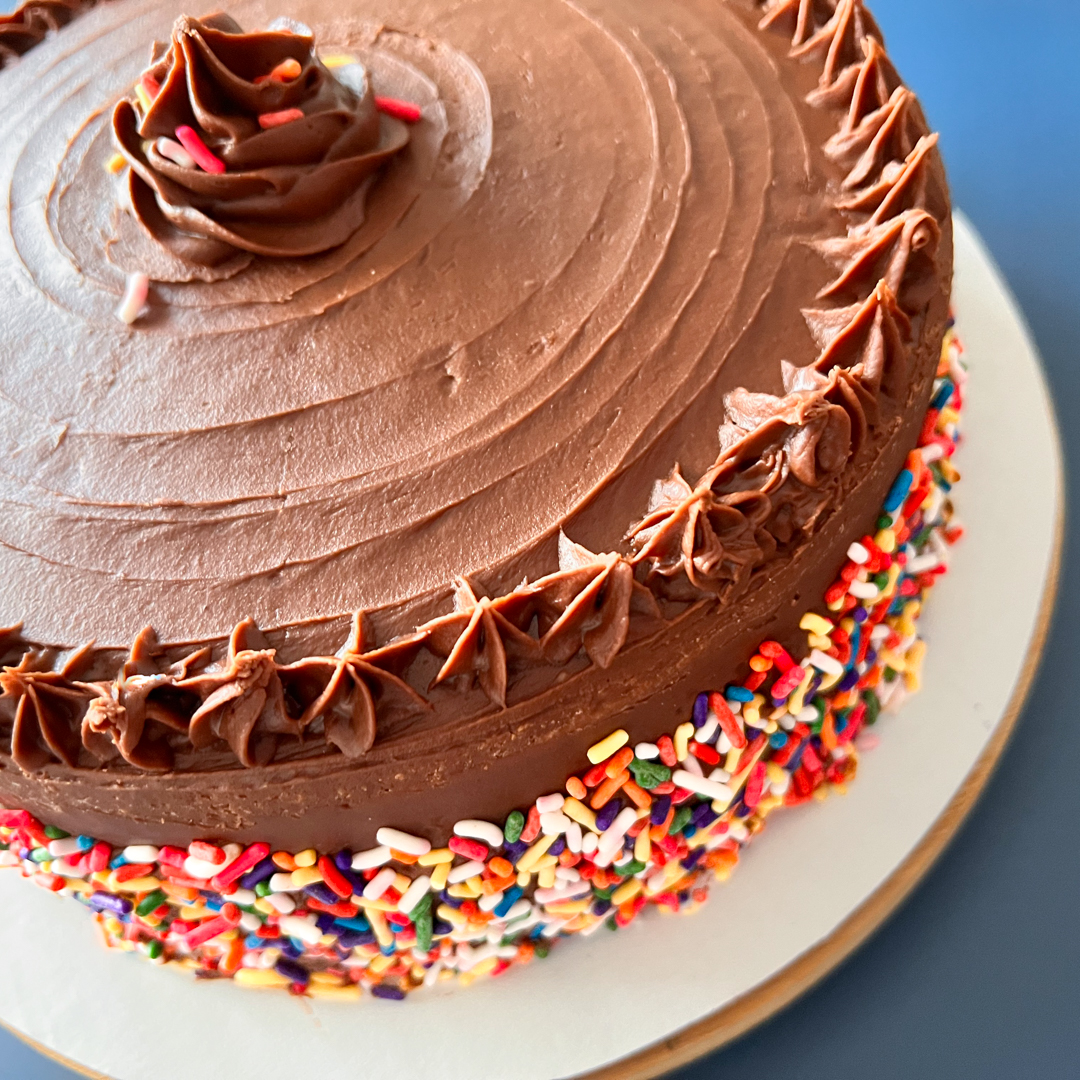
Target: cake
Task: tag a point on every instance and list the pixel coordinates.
(517, 467)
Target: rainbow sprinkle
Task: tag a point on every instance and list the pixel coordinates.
(649, 824)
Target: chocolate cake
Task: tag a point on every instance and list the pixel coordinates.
(508, 374)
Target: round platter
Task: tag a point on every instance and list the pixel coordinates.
(641, 1002)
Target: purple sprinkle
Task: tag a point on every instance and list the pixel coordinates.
(261, 872)
(291, 947)
(691, 860)
(860, 614)
(513, 851)
(558, 847)
(871, 657)
(106, 901)
(343, 859)
(323, 893)
(703, 815)
(391, 993)
(607, 814)
(701, 710)
(325, 922)
(659, 810)
(851, 677)
(292, 971)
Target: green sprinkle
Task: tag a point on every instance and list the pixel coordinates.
(53, 833)
(884, 522)
(151, 902)
(262, 889)
(649, 774)
(515, 822)
(422, 909)
(542, 949)
(631, 868)
(40, 855)
(611, 924)
(873, 706)
(603, 894)
(154, 949)
(423, 923)
(819, 704)
(678, 822)
(890, 675)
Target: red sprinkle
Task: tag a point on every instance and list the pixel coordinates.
(729, 723)
(211, 928)
(278, 119)
(402, 110)
(473, 849)
(240, 866)
(754, 784)
(667, 751)
(334, 878)
(172, 856)
(190, 141)
(704, 752)
(99, 857)
(211, 853)
(14, 819)
(532, 825)
(132, 871)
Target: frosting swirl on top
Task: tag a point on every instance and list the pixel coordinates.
(298, 146)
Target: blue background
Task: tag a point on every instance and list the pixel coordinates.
(979, 974)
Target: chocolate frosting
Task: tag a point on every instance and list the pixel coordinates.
(736, 256)
(294, 189)
(29, 23)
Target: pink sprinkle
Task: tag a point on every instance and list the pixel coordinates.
(211, 928)
(190, 141)
(277, 119)
(402, 110)
(250, 858)
(150, 85)
(470, 849)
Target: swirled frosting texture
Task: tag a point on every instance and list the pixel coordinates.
(692, 297)
(297, 188)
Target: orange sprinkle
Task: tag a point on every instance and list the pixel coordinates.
(500, 867)
(402, 857)
(230, 962)
(279, 119)
(284, 72)
(760, 663)
(575, 788)
(617, 762)
(828, 732)
(603, 794)
(284, 861)
(637, 796)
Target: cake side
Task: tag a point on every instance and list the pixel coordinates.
(424, 767)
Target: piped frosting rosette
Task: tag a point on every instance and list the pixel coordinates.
(277, 154)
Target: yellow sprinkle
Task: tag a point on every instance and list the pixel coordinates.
(848, 625)
(886, 540)
(579, 812)
(263, 905)
(145, 101)
(834, 605)
(829, 682)
(546, 878)
(101, 877)
(78, 885)
(450, 914)
(378, 925)
(336, 60)
(139, 884)
(439, 876)
(568, 907)
(485, 967)
(115, 164)
(265, 977)
(306, 875)
(194, 912)
(544, 862)
(643, 846)
(732, 759)
(401, 883)
(435, 857)
(602, 750)
(336, 993)
(461, 891)
(325, 978)
(524, 879)
(532, 856)
(371, 906)
(815, 624)
(683, 734)
(914, 658)
(949, 415)
(818, 641)
(306, 858)
(380, 964)
(626, 892)
(798, 697)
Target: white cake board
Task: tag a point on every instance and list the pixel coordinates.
(646, 999)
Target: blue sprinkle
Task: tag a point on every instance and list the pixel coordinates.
(357, 923)
(117, 861)
(289, 947)
(898, 492)
(739, 693)
(941, 398)
(216, 904)
(253, 941)
(86, 843)
(510, 898)
(388, 950)
(778, 740)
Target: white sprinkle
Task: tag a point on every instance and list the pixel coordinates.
(864, 590)
(554, 823)
(431, 977)
(823, 662)
(574, 837)
(589, 843)
(172, 151)
(243, 897)
(283, 883)
(70, 846)
(559, 893)
(200, 868)
(522, 907)
(414, 894)
(880, 633)
(719, 775)
(303, 928)
(472, 829)
(806, 715)
(547, 804)
(647, 751)
(921, 563)
(566, 873)
(354, 76)
(292, 26)
(382, 881)
(723, 744)
(8, 858)
(368, 860)
(858, 554)
(490, 902)
(140, 853)
(281, 902)
(691, 764)
(402, 841)
(249, 922)
(465, 871)
(932, 452)
(707, 730)
(135, 293)
(700, 786)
